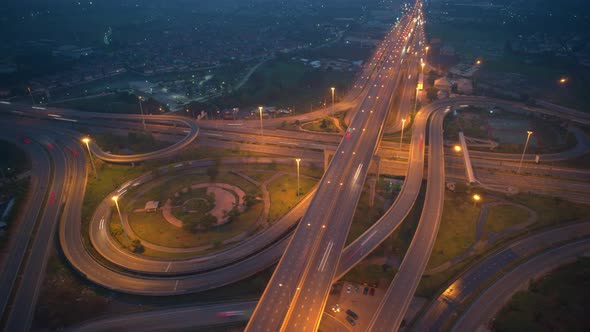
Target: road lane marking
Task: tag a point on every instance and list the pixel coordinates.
(325, 258)
(368, 238)
(168, 267)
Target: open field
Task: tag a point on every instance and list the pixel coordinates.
(557, 302)
(283, 194)
(503, 217)
(457, 228)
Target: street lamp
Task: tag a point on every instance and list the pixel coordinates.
(191, 113)
(141, 109)
(422, 65)
(260, 109)
(298, 160)
(116, 200)
(476, 198)
(528, 136)
(457, 148)
(87, 141)
(333, 89)
(31, 94)
(563, 80)
(478, 62)
(402, 135)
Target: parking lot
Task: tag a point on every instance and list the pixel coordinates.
(362, 300)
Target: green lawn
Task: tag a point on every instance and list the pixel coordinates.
(503, 217)
(558, 302)
(364, 217)
(283, 196)
(259, 176)
(324, 125)
(288, 83)
(137, 142)
(457, 228)
(552, 210)
(122, 102)
(154, 228)
(370, 273)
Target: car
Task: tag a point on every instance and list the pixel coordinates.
(356, 288)
(352, 314)
(372, 292)
(348, 288)
(366, 290)
(350, 320)
(230, 313)
(348, 132)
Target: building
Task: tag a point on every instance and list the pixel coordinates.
(443, 84)
(151, 206)
(464, 86)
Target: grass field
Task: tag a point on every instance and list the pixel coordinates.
(154, 228)
(503, 217)
(137, 142)
(364, 217)
(325, 125)
(370, 273)
(552, 210)
(283, 196)
(17, 162)
(457, 228)
(558, 302)
(288, 83)
(121, 102)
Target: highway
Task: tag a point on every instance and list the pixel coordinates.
(295, 296)
(401, 290)
(492, 300)
(460, 291)
(25, 292)
(321, 235)
(176, 319)
(41, 173)
(374, 239)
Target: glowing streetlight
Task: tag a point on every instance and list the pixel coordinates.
(141, 109)
(298, 160)
(87, 141)
(476, 199)
(333, 89)
(116, 200)
(422, 65)
(402, 135)
(260, 111)
(563, 80)
(528, 136)
(457, 148)
(478, 62)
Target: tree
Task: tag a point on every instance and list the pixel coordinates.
(232, 214)
(212, 172)
(250, 199)
(431, 93)
(136, 246)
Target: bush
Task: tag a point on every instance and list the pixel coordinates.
(136, 246)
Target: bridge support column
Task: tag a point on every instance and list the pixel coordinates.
(377, 165)
(372, 186)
